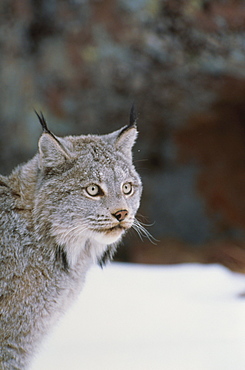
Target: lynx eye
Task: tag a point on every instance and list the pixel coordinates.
(94, 190)
(127, 188)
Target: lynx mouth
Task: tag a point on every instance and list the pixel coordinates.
(115, 230)
(117, 227)
(109, 235)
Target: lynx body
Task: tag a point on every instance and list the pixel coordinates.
(62, 211)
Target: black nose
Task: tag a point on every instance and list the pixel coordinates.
(121, 215)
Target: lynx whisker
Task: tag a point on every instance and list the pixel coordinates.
(140, 216)
(142, 232)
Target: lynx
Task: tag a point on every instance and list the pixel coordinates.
(62, 211)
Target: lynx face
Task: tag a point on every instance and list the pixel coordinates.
(88, 189)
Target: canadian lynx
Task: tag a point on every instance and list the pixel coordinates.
(60, 212)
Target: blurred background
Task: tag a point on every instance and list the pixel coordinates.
(84, 62)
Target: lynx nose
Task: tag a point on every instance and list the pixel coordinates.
(121, 215)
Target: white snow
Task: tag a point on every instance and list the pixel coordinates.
(134, 317)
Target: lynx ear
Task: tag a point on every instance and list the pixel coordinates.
(52, 151)
(126, 139)
(127, 135)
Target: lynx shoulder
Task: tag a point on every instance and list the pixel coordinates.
(62, 211)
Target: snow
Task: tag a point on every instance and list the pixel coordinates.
(137, 317)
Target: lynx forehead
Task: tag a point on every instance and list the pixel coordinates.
(63, 210)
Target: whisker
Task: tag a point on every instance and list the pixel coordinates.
(142, 232)
(141, 160)
(143, 224)
(144, 218)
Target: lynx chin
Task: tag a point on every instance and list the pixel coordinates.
(62, 211)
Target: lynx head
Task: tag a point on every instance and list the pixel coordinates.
(88, 190)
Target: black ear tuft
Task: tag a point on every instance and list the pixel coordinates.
(132, 117)
(44, 125)
(43, 122)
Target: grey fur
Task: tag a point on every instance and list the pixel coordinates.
(52, 230)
